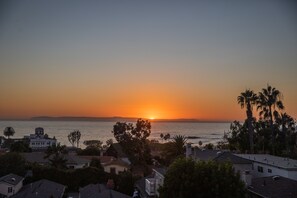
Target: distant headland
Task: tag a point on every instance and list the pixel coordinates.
(113, 119)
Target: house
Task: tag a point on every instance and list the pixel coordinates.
(241, 165)
(73, 161)
(117, 151)
(91, 190)
(201, 154)
(148, 186)
(41, 189)
(110, 163)
(99, 190)
(273, 186)
(265, 165)
(39, 140)
(10, 184)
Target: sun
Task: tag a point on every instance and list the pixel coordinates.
(152, 118)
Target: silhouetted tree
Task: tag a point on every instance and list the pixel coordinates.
(20, 146)
(269, 101)
(165, 137)
(247, 100)
(74, 137)
(8, 131)
(109, 142)
(175, 148)
(93, 143)
(133, 139)
(55, 154)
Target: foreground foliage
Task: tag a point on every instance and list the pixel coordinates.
(12, 163)
(187, 178)
(73, 179)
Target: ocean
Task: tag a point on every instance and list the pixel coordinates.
(99, 130)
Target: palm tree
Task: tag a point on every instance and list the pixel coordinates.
(248, 99)
(8, 131)
(179, 142)
(287, 125)
(174, 148)
(269, 100)
(56, 155)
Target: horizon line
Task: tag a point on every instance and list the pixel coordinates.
(110, 118)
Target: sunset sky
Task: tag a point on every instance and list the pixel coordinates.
(161, 59)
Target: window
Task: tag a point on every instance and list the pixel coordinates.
(9, 190)
(112, 170)
(260, 169)
(269, 170)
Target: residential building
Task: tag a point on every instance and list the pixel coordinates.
(41, 189)
(273, 186)
(110, 163)
(10, 184)
(241, 165)
(201, 154)
(117, 151)
(73, 161)
(39, 140)
(148, 186)
(265, 165)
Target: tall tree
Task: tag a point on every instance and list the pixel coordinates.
(55, 154)
(74, 137)
(175, 148)
(133, 139)
(247, 100)
(8, 131)
(286, 126)
(269, 101)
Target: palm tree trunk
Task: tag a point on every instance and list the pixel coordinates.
(272, 131)
(250, 128)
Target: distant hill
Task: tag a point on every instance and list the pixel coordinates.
(110, 119)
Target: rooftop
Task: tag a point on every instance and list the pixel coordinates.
(230, 157)
(162, 171)
(274, 187)
(91, 189)
(38, 157)
(99, 190)
(11, 179)
(280, 162)
(40, 189)
(204, 154)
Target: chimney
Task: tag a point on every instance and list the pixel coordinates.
(247, 178)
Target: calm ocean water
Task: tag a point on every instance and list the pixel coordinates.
(207, 132)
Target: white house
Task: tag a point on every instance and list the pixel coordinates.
(10, 184)
(39, 140)
(152, 184)
(268, 165)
